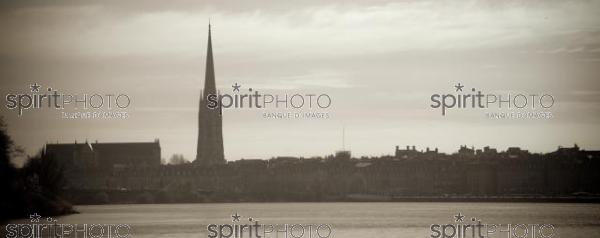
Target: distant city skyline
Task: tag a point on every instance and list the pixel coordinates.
(380, 62)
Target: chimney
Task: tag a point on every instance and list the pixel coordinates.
(413, 148)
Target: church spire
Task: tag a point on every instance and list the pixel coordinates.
(210, 122)
(209, 79)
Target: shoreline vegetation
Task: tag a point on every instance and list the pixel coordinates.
(34, 188)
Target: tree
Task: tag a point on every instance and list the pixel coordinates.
(35, 188)
(177, 159)
(48, 172)
(8, 173)
(8, 149)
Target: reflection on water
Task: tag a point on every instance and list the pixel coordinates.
(347, 220)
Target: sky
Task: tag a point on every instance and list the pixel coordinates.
(380, 61)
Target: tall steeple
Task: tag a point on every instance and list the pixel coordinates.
(209, 78)
(210, 123)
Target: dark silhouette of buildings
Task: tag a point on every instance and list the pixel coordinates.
(105, 156)
(210, 123)
(409, 173)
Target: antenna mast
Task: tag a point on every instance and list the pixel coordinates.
(343, 137)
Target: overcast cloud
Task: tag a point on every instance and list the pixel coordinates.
(380, 61)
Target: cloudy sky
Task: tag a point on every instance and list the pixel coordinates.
(379, 60)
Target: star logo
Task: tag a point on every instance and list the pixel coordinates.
(35, 87)
(235, 217)
(459, 217)
(35, 217)
(236, 87)
(459, 87)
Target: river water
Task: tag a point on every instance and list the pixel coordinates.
(348, 220)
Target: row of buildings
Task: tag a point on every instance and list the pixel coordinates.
(107, 168)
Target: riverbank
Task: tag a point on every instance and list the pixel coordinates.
(95, 197)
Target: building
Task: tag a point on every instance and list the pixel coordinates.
(72, 155)
(210, 123)
(128, 154)
(407, 153)
(105, 155)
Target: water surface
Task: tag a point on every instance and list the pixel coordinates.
(348, 220)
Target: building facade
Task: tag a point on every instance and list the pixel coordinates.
(105, 156)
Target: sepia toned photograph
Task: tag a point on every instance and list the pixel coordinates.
(300, 119)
